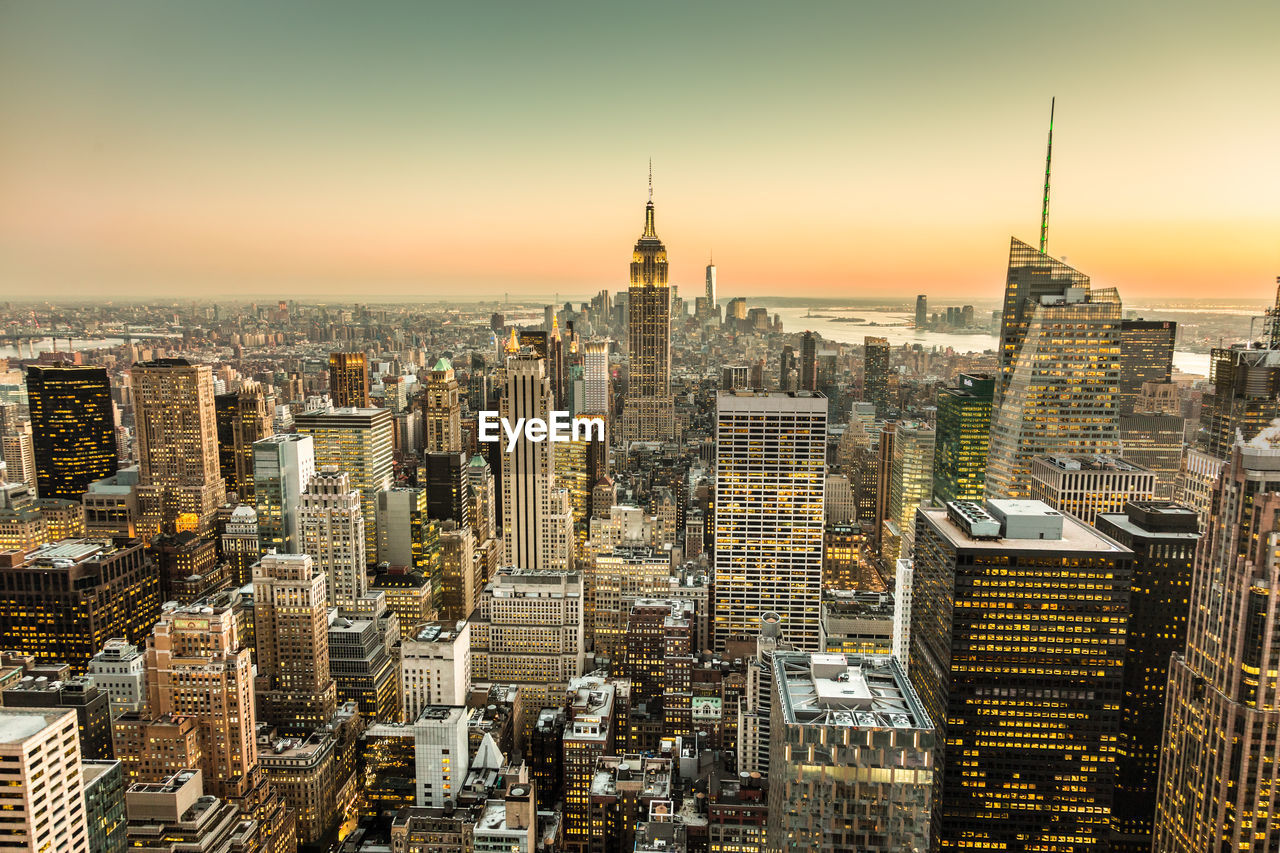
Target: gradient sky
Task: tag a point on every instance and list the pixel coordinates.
(401, 150)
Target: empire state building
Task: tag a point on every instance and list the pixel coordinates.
(649, 411)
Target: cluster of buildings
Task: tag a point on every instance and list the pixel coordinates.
(267, 587)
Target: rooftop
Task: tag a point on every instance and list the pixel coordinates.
(20, 724)
(1091, 462)
(847, 690)
(1075, 536)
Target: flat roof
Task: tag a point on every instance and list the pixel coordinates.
(861, 691)
(1076, 537)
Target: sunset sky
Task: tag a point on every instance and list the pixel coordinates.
(361, 151)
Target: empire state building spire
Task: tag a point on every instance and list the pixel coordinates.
(649, 230)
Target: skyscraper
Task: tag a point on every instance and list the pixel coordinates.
(243, 418)
(283, 465)
(1016, 615)
(1146, 355)
(332, 533)
(44, 789)
(359, 442)
(180, 479)
(348, 380)
(910, 479)
(537, 523)
(595, 379)
(1217, 784)
(18, 447)
(868, 789)
(442, 409)
(922, 311)
(1060, 388)
(808, 362)
(295, 691)
(875, 373)
(649, 414)
(447, 487)
(1084, 486)
(770, 476)
(963, 436)
(1163, 538)
(1245, 399)
(72, 428)
(711, 285)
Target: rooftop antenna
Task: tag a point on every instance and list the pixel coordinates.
(651, 179)
(1048, 160)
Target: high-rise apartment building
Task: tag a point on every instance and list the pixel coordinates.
(875, 374)
(649, 413)
(295, 691)
(1146, 355)
(1026, 698)
(1059, 395)
(349, 380)
(528, 632)
(65, 600)
(851, 760)
(1217, 785)
(442, 410)
(359, 442)
(1163, 538)
(283, 466)
(72, 429)
(963, 437)
(1085, 486)
(770, 473)
(243, 418)
(331, 530)
(43, 785)
(537, 521)
(180, 478)
(17, 444)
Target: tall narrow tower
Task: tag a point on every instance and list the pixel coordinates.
(443, 409)
(650, 410)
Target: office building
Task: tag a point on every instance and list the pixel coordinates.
(808, 362)
(963, 437)
(283, 466)
(111, 505)
(528, 632)
(104, 808)
(770, 474)
(875, 374)
(1163, 538)
(462, 574)
(1245, 398)
(303, 770)
(858, 623)
(180, 478)
(484, 504)
(596, 397)
(615, 580)
(331, 527)
(1146, 355)
(1026, 700)
(851, 758)
(243, 418)
(348, 380)
(589, 735)
(408, 538)
(1217, 782)
(435, 666)
(91, 705)
(73, 429)
(43, 785)
(1059, 391)
(358, 442)
(239, 545)
(442, 410)
(17, 443)
(910, 478)
(537, 521)
(363, 662)
(922, 311)
(174, 815)
(120, 671)
(447, 486)
(649, 410)
(65, 600)
(1155, 441)
(294, 690)
(711, 285)
(657, 658)
(1085, 486)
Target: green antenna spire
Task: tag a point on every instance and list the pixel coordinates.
(1048, 161)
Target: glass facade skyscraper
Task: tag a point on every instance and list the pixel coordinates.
(963, 438)
(72, 428)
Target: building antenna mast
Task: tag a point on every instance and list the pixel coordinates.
(1048, 161)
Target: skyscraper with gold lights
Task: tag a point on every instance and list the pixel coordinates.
(649, 412)
(180, 479)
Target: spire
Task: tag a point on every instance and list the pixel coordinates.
(513, 344)
(649, 229)
(1044, 211)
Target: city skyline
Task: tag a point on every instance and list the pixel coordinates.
(273, 154)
